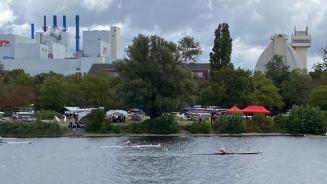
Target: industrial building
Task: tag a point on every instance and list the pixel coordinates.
(50, 49)
(294, 55)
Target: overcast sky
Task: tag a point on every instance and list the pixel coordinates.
(252, 22)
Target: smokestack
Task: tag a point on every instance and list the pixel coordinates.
(77, 32)
(64, 23)
(45, 28)
(54, 21)
(32, 31)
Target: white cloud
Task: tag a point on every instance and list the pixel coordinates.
(98, 5)
(6, 14)
(244, 55)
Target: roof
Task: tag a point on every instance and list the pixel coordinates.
(234, 109)
(256, 110)
(98, 67)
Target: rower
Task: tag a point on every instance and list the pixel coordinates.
(222, 150)
(128, 143)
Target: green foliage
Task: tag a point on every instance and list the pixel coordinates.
(18, 77)
(220, 57)
(189, 49)
(260, 123)
(152, 77)
(32, 129)
(96, 90)
(199, 127)
(265, 93)
(53, 93)
(307, 120)
(1, 67)
(296, 88)
(277, 71)
(45, 115)
(95, 121)
(165, 124)
(228, 87)
(231, 124)
(280, 124)
(318, 97)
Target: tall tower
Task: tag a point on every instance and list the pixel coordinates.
(116, 44)
(301, 41)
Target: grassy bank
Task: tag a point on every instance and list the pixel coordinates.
(30, 129)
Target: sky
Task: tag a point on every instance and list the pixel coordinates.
(251, 22)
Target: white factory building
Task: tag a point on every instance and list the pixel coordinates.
(50, 49)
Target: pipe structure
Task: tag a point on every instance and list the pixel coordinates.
(32, 31)
(45, 28)
(54, 21)
(64, 23)
(77, 32)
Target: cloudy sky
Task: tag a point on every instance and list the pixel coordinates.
(252, 22)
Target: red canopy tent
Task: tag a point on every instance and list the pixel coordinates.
(253, 109)
(234, 109)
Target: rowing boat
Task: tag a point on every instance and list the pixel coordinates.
(27, 142)
(230, 153)
(134, 146)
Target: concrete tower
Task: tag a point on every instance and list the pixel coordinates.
(301, 41)
(115, 43)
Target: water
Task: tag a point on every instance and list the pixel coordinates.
(81, 161)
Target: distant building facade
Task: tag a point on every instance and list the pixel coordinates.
(294, 55)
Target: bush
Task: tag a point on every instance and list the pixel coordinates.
(280, 124)
(32, 129)
(307, 120)
(259, 123)
(199, 127)
(165, 124)
(95, 121)
(45, 115)
(230, 125)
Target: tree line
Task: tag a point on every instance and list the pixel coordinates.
(154, 77)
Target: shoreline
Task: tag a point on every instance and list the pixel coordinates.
(195, 135)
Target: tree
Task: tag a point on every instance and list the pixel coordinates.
(12, 96)
(1, 67)
(228, 87)
(189, 50)
(97, 90)
(276, 70)
(53, 94)
(265, 93)
(296, 89)
(318, 97)
(220, 57)
(152, 78)
(18, 77)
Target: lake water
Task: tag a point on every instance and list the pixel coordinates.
(82, 161)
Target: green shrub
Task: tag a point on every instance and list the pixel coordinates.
(31, 129)
(280, 124)
(136, 128)
(307, 120)
(199, 127)
(95, 121)
(165, 124)
(45, 115)
(260, 123)
(231, 124)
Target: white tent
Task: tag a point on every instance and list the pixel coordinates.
(111, 113)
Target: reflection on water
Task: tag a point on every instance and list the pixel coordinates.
(81, 160)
